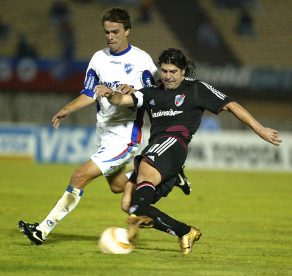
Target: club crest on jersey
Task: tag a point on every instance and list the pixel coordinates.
(128, 68)
(179, 99)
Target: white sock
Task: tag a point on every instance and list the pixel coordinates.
(64, 206)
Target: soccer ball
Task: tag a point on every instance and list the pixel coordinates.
(114, 240)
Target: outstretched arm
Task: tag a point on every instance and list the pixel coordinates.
(268, 134)
(115, 97)
(74, 105)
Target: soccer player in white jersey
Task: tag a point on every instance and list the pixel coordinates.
(118, 129)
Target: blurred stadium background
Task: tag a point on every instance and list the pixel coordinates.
(242, 47)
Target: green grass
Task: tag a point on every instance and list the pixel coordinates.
(245, 217)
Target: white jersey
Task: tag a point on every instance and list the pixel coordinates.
(133, 67)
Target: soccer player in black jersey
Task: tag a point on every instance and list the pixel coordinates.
(175, 109)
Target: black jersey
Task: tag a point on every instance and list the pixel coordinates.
(179, 111)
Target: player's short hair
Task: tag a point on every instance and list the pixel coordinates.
(117, 15)
(177, 58)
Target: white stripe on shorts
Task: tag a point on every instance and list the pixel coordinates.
(161, 148)
(168, 143)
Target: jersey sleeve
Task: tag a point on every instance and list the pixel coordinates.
(210, 98)
(91, 80)
(150, 76)
(147, 79)
(138, 98)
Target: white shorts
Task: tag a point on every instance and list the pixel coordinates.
(112, 154)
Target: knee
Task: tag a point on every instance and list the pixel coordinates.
(78, 179)
(117, 186)
(116, 189)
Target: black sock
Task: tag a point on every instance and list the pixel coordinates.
(140, 206)
(167, 224)
(143, 196)
(164, 188)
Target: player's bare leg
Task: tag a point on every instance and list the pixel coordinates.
(81, 177)
(127, 196)
(84, 174)
(117, 180)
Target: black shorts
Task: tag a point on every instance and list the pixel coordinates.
(166, 153)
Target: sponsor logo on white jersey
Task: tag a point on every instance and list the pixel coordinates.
(115, 62)
(165, 113)
(113, 84)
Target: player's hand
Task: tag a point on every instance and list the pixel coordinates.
(103, 91)
(270, 135)
(58, 117)
(126, 89)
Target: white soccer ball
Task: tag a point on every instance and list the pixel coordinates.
(114, 240)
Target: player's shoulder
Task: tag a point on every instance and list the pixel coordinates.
(99, 58)
(192, 87)
(205, 88)
(139, 51)
(190, 84)
(200, 85)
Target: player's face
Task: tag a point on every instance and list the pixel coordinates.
(116, 36)
(171, 76)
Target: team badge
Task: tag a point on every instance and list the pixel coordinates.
(179, 99)
(128, 68)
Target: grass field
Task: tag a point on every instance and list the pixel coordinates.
(245, 217)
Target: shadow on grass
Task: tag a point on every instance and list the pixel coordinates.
(158, 249)
(143, 244)
(58, 237)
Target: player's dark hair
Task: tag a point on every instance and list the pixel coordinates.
(177, 58)
(117, 15)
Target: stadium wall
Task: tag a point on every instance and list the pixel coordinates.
(236, 150)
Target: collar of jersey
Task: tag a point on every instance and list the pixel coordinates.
(123, 52)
